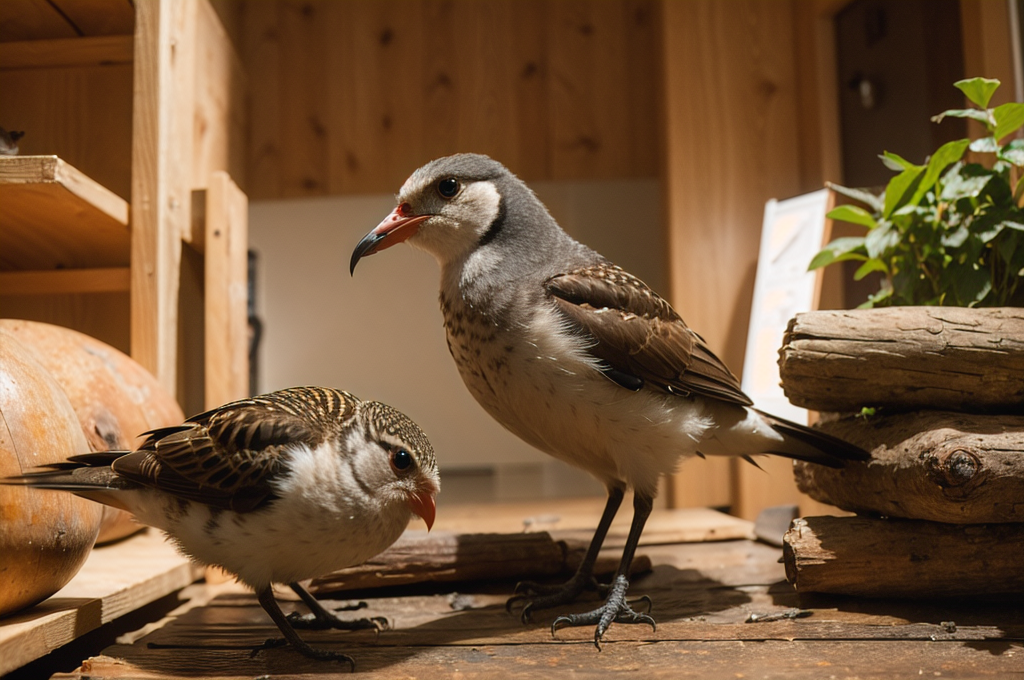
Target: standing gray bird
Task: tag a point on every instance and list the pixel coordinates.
(275, 489)
(576, 356)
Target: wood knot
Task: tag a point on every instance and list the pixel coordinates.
(955, 469)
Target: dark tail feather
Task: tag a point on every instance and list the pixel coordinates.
(813, 446)
(86, 460)
(88, 475)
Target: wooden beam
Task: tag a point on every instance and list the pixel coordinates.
(226, 291)
(161, 165)
(219, 132)
(98, 51)
(49, 282)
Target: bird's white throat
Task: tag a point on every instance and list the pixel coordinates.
(455, 231)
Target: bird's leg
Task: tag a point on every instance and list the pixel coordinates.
(615, 607)
(269, 604)
(541, 596)
(321, 618)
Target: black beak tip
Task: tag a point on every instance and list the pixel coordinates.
(363, 248)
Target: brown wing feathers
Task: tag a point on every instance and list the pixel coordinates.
(637, 333)
(227, 457)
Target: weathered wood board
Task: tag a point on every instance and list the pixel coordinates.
(114, 580)
(703, 594)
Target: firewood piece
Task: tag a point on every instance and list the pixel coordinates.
(418, 557)
(937, 465)
(905, 358)
(903, 558)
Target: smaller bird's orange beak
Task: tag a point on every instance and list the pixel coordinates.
(422, 503)
(399, 225)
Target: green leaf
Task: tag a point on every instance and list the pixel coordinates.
(837, 251)
(851, 213)
(964, 181)
(1013, 152)
(896, 162)
(883, 298)
(898, 189)
(982, 117)
(971, 286)
(978, 90)
(947, 154)
(871, 200)
(984, 145)
(881, 239)
(956, 237)
(1008, 117)
(987, 227)
(872, 265)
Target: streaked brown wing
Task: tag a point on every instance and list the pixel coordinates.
(636, 332)
(227, 457)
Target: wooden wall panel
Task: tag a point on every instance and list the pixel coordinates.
(82, 114)
(219, 122)
(349, 97)
(731, 143)
(988, 50)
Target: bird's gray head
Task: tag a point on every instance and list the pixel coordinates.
(451, 206)
(397, 459)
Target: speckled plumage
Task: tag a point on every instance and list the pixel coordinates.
(277, 488)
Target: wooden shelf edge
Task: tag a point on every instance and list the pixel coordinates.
(52, 170)
(114, 581)
(57, 281)
(63, 52)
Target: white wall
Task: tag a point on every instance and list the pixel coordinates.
(379, 335)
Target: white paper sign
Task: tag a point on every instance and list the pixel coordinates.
(792, 233)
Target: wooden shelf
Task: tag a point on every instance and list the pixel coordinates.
(114, 581)
(99, 51)
(55, 217)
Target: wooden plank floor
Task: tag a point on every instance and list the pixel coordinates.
(703, 594)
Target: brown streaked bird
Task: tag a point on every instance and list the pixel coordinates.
(576, 356)
(277, 488)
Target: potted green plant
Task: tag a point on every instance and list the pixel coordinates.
(950, 231)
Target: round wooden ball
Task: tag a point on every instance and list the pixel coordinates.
(114, 397)
(45, 536)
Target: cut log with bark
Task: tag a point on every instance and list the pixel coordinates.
(903, 558)
(906, 358)
(937, 465)
(446, 557)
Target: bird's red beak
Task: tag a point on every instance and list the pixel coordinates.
(422, 503)
(399, 225)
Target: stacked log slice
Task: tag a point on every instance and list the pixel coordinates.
(944, 389)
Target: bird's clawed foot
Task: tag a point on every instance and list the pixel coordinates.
(615, 609)
(322, 619)
(306, 650)
(543, 596)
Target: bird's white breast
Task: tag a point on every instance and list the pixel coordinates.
(322, 520)
(539, 382)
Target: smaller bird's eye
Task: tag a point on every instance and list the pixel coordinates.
(401, 459)
(448, 187)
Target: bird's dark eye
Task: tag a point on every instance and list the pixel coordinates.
(401, 459)
(448, 187)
